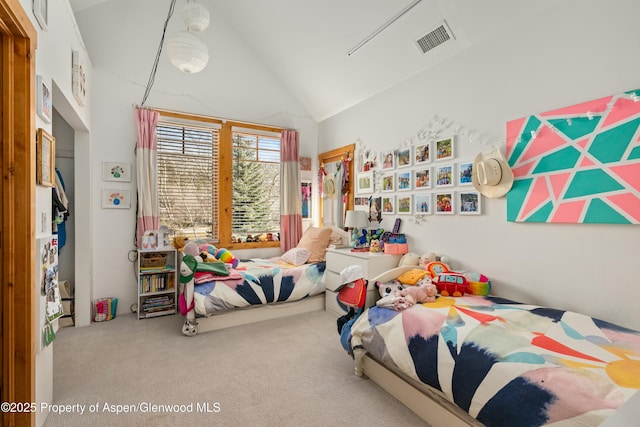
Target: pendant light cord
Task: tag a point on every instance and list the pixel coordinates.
(152, 76)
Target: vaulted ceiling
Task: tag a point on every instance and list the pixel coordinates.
(305, 43)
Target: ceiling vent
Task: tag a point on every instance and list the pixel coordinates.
(434, 38)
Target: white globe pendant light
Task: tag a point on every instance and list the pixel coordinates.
(195, 16)
(187, 52)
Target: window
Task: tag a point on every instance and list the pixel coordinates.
(219, 181)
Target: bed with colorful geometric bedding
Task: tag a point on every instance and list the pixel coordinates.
(506, 363)
(258, 282)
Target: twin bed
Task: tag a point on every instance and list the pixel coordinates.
(476, 360)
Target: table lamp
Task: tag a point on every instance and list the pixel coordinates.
(355, 220)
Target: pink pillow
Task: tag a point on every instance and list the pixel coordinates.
(316, 240)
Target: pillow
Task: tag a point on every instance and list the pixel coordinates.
(412, 277)
(316, 240)
(296, 256)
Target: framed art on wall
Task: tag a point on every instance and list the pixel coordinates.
(45, 158)
(469, 202)
(445, 203)
(422, 179)
(444, 176)
(116, 171)
(422, 153)
(445, 149)
(422, 204)
(388, 204)
(43, 99)
(403, 181)
(404, 204)
(388, 183)
(116, 199)
(78, 78)
(387, 160)
(364, 183)
(465, 170)
(403, 157)
(41, 12)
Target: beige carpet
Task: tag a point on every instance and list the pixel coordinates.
(283, 372)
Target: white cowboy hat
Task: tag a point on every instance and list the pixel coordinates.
(491, 174)
(329, 187)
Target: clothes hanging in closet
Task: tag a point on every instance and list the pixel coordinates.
(59, 209)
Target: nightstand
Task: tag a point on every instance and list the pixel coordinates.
(373, 264)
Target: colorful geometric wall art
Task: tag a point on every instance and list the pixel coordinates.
(579, 164)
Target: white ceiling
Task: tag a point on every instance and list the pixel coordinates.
(305, 42)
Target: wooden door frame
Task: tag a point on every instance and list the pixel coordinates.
(18, 209)
(337, 155)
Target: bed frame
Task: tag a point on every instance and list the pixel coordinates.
(259, 313)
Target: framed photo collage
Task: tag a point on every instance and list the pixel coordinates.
(423, 179)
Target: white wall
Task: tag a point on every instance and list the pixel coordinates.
(234, 85)
(579, 51)
(53, 63)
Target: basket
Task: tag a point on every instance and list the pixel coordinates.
(153, 260)
(104, 309)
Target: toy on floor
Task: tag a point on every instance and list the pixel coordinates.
(423, 291)
(186, 301)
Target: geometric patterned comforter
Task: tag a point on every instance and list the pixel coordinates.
(506, 363)
(263, 281)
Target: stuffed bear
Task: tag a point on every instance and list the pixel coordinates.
(388, 293)
(423, 291)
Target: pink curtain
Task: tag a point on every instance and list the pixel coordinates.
(290, 199)
(146, 160)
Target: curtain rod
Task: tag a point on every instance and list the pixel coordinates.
(212, 119)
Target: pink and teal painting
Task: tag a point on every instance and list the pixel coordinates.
(578, 164)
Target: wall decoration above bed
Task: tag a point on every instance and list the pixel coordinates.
(578, 164)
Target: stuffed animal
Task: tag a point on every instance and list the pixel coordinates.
(191, 248)
(433, 257)
(388, 293)
(424, 291)
(186, 300)
(374, 245)
(179, 242)
(227, 257)
(207, 257)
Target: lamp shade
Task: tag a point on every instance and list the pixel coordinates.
(195, 16)
(187, 52)
(355, 219)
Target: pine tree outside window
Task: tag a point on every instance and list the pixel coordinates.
(219, 180)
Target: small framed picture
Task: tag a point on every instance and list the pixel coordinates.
(305, 198)
(422, 153)
(388, 160)
(404, 204)
(469, 202)
(388, 181)
(364, 183)
(445, 149)
(422, 204)
(78, 78)
(403, 157)
(41, 12)
(388, 204)
(45, 159)
(444, 176)
(464, 173)
(403, 180)
(43, 99)
(375, 209)
(116, 171)
(445, 203)
(116, 199)
(422, 179)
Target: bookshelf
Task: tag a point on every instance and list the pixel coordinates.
(157, 282)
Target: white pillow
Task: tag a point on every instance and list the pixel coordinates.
(296, 256)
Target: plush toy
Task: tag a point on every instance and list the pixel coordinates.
(179, 242)
(409, 259)
(433, 257)
(207, 257)
(424, 291)
(191, 248)
(186, 300)
(374, 245)
(227, 257)
(388, 293)
(436, 267)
